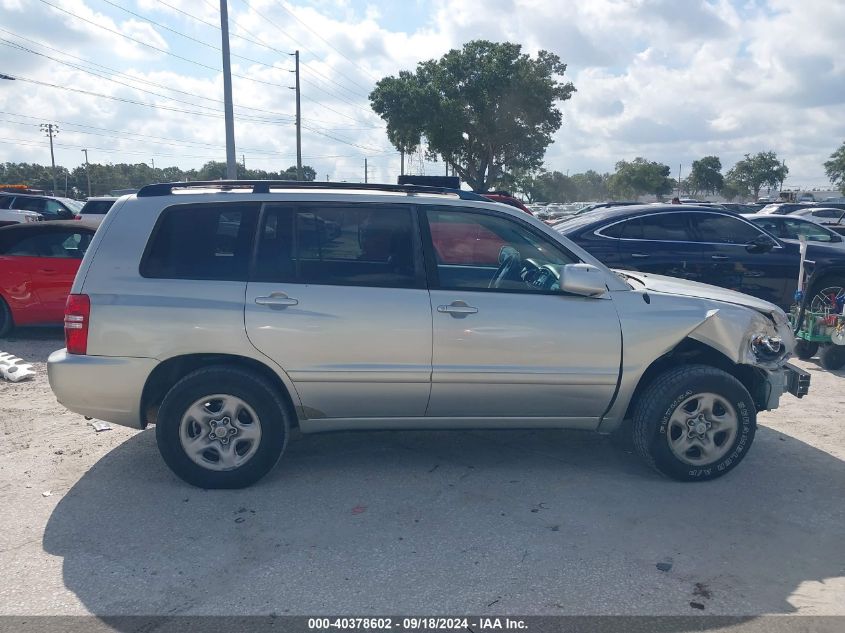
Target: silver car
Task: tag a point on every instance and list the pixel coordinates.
(228, 313)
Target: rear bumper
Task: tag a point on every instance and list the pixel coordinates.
(104, 387)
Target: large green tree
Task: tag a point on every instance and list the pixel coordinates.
(640, 176)
(754, 172)
(486, 109)
(706, 176)
(835, 168)
(590, 185)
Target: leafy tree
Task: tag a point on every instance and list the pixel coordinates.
(590, 185)
(106, 178)
(835, 168)
(552, 186)
(640, 176)
(485, 109)
(754, 172)
(706, 175)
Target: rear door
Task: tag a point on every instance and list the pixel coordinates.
(338, 299)
(659, 243)
(731, 263)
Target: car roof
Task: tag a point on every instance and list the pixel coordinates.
(35, 227)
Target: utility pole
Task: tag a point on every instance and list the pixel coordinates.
(298, 121)
(365, 171)
(51, 130)
(243, 163)
(231, 161)
(153, 161)
(87, 172)
(402, 163)
(679, 180)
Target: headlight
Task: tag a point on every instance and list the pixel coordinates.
(766, 347)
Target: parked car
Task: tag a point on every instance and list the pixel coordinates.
(95, 209)
(38, 262)
(704, 245)
(793, 227)
(742, 208)
(505, 197)
(226, 341)
(49, 207)
(785, 208)
(14, 216)
(828, 216)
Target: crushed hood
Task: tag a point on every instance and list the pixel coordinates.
(675, 286)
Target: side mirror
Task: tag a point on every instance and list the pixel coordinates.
(761, 244)
(582, 279)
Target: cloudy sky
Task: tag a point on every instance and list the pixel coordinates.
(671, 80)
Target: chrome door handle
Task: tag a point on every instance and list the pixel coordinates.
(639, 255)
(458, 309)
(719, 257)
(276, 300)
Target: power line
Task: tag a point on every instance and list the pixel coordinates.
(186, 36)
(296, 41)
(156, 48)
(121, 74)
(332, 46)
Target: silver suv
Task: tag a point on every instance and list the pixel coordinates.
(227, 313)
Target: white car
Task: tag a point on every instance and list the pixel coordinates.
(17, 216)
(828, 216)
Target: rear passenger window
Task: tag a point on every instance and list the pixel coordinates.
(661, 227)
(723, 229)
(359, 246)
(202, 242)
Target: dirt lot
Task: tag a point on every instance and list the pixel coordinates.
(435, 522)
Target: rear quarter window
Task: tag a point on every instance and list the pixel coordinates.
(204, 241)
(96, 207)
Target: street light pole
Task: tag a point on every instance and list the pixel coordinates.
(231, 160)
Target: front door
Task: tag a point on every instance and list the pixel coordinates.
(337, 298)
(507, 342)
(730, 261)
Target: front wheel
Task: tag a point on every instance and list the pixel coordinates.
(694, 423)
(222, 427)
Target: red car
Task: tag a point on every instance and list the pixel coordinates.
(505, 197)
(38, 263)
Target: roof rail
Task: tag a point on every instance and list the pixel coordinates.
(264, 186)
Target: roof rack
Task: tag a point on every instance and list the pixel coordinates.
(264, 186)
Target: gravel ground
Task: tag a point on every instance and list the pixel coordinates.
(476, 522)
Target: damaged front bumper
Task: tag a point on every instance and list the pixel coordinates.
(787, 379)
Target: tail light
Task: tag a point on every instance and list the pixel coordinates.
(77, 313)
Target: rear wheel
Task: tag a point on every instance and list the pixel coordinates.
(694, 423)
(7, 323)
(805, 350)
(832, 356)
(222, 427)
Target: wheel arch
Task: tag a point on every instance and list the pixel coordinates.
(689, 351)
(170, 371)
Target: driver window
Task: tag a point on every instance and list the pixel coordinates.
(480, 251)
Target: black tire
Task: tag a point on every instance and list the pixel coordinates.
(657, 403)
(805, 350)
(258, 393)
(7, 323)
(832, 356)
